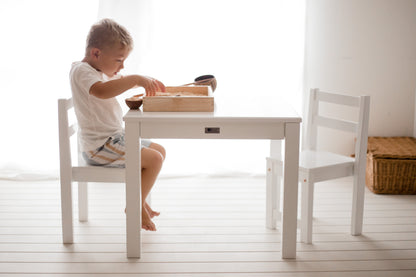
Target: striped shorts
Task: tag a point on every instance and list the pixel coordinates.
(111, 153)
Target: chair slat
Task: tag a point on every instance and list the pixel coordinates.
(338, 124)
(346, 100)
(72, 129)
(69, 103)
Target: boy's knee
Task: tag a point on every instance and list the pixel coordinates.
(152, 158)
(159, 148)
(156, 159)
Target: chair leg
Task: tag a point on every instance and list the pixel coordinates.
(272, 195)
(357, 211)
(83, 201)
(66, 210)
(306, 211)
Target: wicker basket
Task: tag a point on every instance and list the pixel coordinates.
(391, 165)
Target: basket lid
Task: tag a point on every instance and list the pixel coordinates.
(392, 147)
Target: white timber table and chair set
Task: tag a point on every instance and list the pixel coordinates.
(256, 119)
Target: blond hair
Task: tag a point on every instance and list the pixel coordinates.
(106, 34)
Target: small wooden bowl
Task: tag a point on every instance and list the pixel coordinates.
(134, 102)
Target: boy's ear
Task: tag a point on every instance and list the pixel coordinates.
(95, 53)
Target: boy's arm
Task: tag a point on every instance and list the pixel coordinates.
(105, 90)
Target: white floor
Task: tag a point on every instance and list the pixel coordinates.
(208, 227)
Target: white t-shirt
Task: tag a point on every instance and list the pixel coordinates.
(98, 119)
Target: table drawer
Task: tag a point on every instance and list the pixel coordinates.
(212, 130)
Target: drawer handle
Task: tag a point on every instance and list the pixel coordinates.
(212, 130)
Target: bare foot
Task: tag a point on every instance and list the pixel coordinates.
(147, 223)
(147, 214)
(151, 212)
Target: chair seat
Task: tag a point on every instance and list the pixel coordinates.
(315, 159)
(319, 166)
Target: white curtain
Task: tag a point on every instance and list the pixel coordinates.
(253, 47)
(40, 40)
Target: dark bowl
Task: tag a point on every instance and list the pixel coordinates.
(134, 103)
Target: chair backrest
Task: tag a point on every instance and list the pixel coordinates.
(315, 119)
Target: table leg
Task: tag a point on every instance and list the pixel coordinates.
(133, 190)
(273, 179)
(290, 191)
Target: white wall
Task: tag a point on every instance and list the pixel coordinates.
(365, 47)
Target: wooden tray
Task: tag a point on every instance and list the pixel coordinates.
(181, 99)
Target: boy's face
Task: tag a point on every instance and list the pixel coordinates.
(111, 60)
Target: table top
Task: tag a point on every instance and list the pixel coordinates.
(226, 109)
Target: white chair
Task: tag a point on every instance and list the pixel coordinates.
(82, 173)
(317, 166)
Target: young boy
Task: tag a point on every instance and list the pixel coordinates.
(95, 82)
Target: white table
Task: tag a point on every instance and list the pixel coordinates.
(254, 119)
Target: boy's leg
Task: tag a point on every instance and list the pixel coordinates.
(152, 161)
(162, 151)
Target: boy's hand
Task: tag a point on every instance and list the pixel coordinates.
(151, 85)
